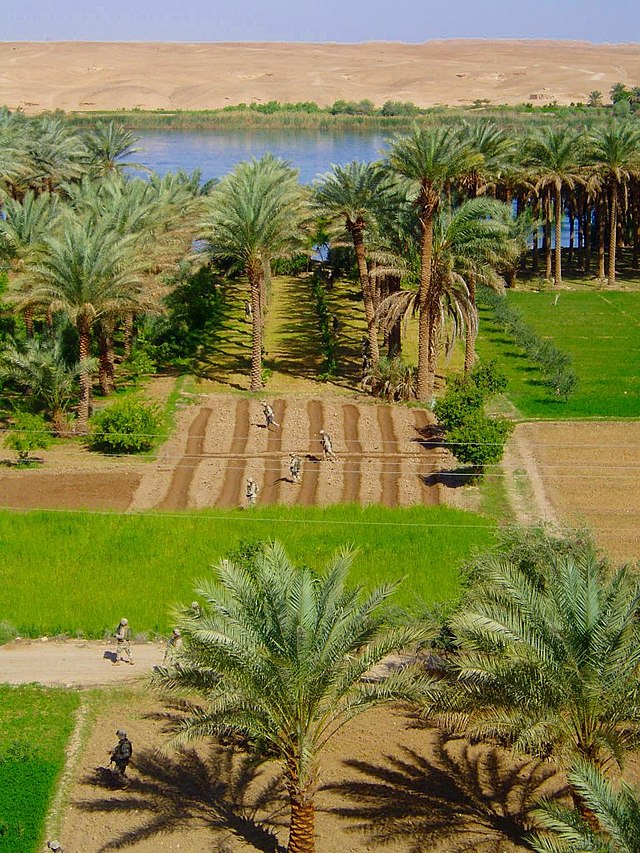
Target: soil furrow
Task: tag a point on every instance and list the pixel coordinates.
(311, 473)
(352, 459)
(270, 492)
(233, 475)
(390, 469)
(426, 467)
(177, 496)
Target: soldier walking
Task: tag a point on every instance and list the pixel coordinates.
(269, 414)
(295, 464)
(248, 311)
(121, 753)
(195, 608)
(327, 447)
(252, 492)
(123, 643)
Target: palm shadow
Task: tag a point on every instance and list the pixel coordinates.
(226, 792)
(457, 798)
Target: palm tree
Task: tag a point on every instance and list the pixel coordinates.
(254, 214)
(616, 815)
(554, 156)
(89, 272)
(430, 158)
(549, 659)
(109, 144)
(614, 154)
(38, 366)
(279, 654)
(351, 194)
(22, 239)
(496, 149)
(470, 244)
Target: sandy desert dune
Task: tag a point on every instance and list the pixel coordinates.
(39, 76)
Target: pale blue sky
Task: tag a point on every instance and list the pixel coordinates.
(320, 20)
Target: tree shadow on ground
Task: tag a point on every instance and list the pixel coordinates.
(457, 798)
(226, 792)
(453, 478)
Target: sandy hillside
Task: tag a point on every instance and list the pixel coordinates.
(101, 75)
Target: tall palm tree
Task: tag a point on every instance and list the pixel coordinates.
(89, 271)
(549, 659)
(279, 654)
(470, 243)
(555, 157)
(614, 153)
(254, 214)
(351, 194)
(496, 148)
(430, 158)
(616, 815)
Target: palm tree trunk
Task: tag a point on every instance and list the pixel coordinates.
(558, 257)
(394, 341)
(256, 280)
(426, 377)
(432, 350)
(106, 371)
(572, 235)
(469, 334)
(547, 237)
(613, 218)
(367, 294)
(84, 333)
(302, 827)
(28, 321)
(128, 333)
(601, 239)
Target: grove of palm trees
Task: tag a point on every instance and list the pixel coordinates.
(445, 316)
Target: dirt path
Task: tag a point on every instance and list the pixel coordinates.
(311, 466)
(352, 467)
(230, 495)
(390, 467)
(177, 496)
(273, 467)
(525, 487)
(427, 461)
(73, 663)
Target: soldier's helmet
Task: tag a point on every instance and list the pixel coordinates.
(176, 632)
(322, 432)
(124, 621)
(54, 845)
(194, 605)
(121, 733)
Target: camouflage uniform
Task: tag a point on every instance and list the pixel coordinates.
(295, 464)
(252, 492)
(327, 447)
(123, 643)
(121, 753)
(174, 644)
(269, 415)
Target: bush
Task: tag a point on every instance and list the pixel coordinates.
(480, 440)
(460, 401)
(128, 426)
(139, 364)
(391, 379)
(28, 432)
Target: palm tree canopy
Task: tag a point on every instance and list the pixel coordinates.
(89, 270)
(279, 653)
(614, 151)
(256, 212)
(549, 658)
(350, 192)
(26, 225)
(617, 812)
(555, 157)
(109, 144)
(431, 157)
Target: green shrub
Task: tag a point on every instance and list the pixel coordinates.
(139, 364)
(461, 400)
(28, 432)
(480, 440)
(128, 426)
(391, 379)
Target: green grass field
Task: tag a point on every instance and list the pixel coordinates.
(35, 725)
(79, 573)
(600, 330)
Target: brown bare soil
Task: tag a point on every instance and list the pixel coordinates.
(590, 475)
(40, 76)
(385, 784)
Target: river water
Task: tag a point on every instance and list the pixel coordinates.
(216, 152)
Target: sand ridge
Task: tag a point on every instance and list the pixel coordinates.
(37, 76)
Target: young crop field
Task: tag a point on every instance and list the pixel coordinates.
(601, 332)
(79, 573)
(35, 725)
